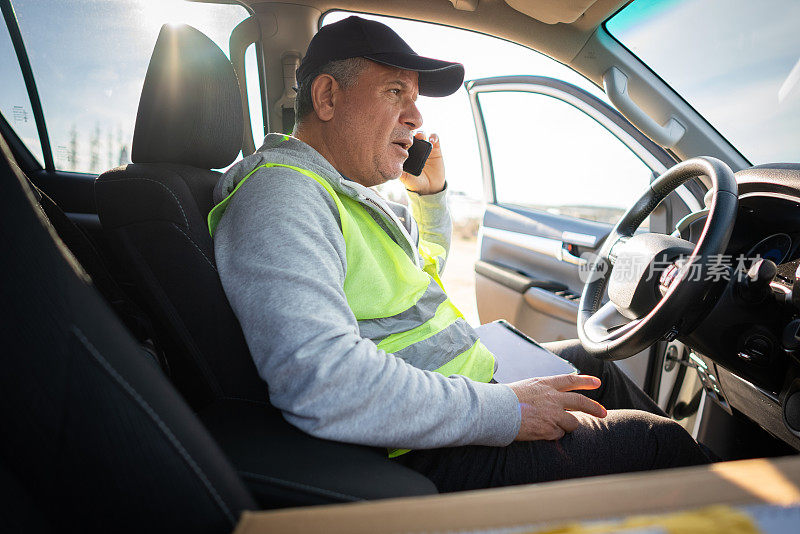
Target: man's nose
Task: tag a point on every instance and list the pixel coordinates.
(412, 117)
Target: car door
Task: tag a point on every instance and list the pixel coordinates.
(559, 167)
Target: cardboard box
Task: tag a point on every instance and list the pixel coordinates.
(734, 483)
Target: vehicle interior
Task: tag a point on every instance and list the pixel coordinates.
(129, 395)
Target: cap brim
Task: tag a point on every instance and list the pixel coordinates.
(436, 77)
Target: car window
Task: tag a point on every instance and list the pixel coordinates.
(15, 105)
(89, 68)
(548, 155)
(451, 116)
(740, 69)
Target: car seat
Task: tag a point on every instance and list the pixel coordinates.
(94, 436)
(154, 211)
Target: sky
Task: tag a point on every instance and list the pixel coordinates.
(90, 56)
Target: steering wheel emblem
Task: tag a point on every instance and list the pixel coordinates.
(593, 268)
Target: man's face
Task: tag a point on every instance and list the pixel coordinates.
(373, 123)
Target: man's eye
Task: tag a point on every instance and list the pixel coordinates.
(395, 91)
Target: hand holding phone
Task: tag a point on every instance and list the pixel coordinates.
(424, 168)
(417, 156)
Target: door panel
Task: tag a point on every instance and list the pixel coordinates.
(72, 191)
(540, 244)
(540, 219)
(532, 247)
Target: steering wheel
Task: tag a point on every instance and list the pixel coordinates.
(655, 281)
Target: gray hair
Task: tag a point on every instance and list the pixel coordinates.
(345, 72)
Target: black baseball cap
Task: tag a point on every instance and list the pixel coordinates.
(357, 37)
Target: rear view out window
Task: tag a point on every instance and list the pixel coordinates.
(89, 59)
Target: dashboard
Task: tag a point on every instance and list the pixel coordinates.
(749, 342)
(775, 247)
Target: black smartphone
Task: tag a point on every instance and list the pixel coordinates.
(417, 156)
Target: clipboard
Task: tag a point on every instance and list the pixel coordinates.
(517, 356)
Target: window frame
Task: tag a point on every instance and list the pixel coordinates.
(651, 154)
(12, 25)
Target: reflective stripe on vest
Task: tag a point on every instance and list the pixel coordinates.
(400, 307)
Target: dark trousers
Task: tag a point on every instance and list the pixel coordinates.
(635, 436)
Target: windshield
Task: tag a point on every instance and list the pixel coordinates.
(737, 62)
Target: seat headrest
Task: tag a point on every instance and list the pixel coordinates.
(190, 111)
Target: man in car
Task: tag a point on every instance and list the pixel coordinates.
(338, 295)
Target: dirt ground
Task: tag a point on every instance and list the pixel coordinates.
(459, 276)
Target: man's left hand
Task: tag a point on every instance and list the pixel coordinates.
(431, 179)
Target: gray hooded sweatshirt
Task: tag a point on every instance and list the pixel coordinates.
(280, 253)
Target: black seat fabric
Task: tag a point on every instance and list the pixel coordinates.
(155, 213)
(283, 466)
(135, 320)
(19, 511)
(94, 436)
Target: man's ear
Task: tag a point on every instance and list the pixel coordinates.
(323, 89)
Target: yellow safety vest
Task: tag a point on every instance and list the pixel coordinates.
(386, 289)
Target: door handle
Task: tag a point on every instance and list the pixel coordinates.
(569, 257)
